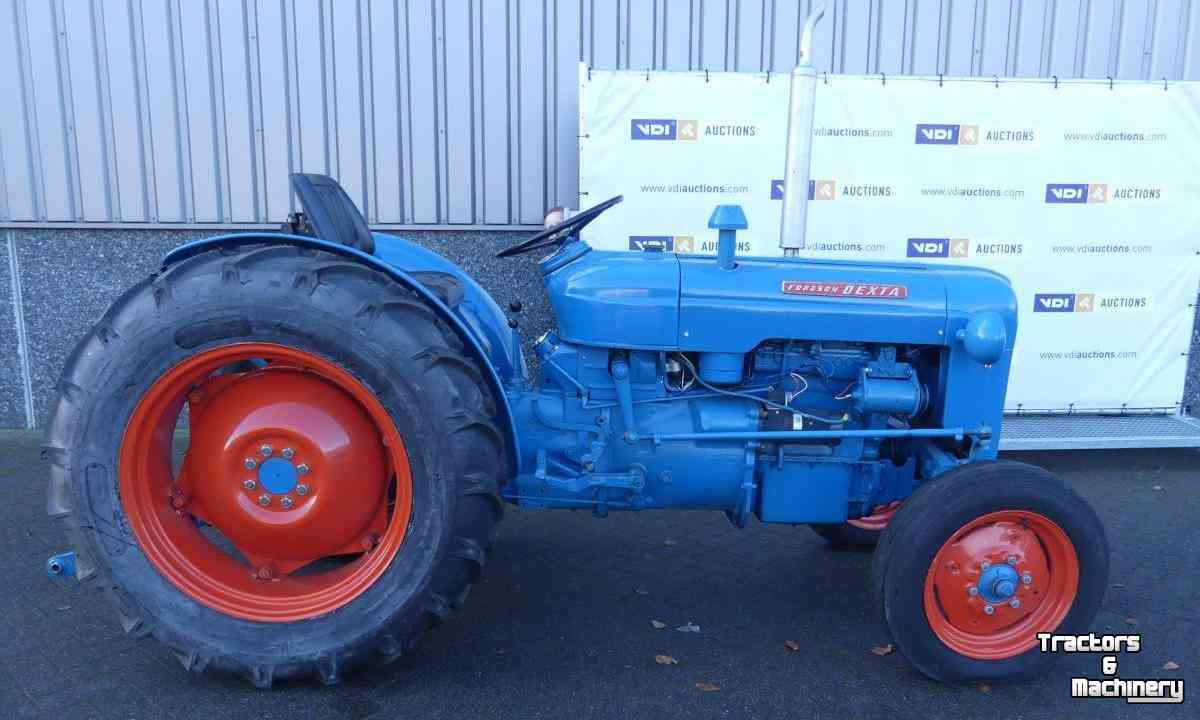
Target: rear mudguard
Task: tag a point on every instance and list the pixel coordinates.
(475, 317)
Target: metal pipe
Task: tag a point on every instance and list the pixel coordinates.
(957, 433)
(802, 93)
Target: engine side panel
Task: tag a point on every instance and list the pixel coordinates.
(735, 310)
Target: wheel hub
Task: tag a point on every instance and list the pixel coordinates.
(278, 476)
(329, 436)
(998, 583)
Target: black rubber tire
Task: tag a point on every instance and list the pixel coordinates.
(932, 514)
(339, 309)
(847, 535)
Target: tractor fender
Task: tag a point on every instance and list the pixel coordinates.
(485, 342)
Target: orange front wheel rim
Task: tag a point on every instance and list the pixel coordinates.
(294, 495)
(998, 581)
(878, 519)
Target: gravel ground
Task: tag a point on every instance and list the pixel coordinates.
(561, 627)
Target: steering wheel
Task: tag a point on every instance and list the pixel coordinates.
(558, 234)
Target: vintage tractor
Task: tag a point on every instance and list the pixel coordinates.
(358, 411)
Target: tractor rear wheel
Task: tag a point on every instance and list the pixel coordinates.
(974, 565)
(339, 489)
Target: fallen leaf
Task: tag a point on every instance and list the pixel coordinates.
(707, 686)
(640, 591)
(792, 645)
(665, 660)
(985, 689)
(1158, 487)
(658, 625)
(882, 650)
(1118, 585)
(669, 543)
(689, 628)
(1131, 621)
(1170, 665)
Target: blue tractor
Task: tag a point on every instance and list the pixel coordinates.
(358, 412)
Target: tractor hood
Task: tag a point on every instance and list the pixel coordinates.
(684, 302)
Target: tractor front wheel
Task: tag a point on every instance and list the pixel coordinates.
(862, 532)
(335, 491)
(974, 565)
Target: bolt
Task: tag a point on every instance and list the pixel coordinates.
(989, 609)
(178, 501)
(249, 484)
(286, 502)
(264, 573)
(265, 451)
(973, 591)
(369, 540)
(1014, 603)
(301, 489)
(302, 468)
(264, 499)
(985, 565)
(1012, 559)
(249, 463)
(288, 453)
(1027, 579)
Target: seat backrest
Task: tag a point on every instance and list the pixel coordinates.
(330, 211)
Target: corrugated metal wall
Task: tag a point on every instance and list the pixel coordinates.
(446, 112)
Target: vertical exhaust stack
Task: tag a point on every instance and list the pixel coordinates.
(801, 110)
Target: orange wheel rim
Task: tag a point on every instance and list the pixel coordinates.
(878, 519)
(999, 581)
(294, 495)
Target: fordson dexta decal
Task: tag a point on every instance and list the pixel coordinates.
(845, 289)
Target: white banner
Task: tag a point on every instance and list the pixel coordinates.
(1085, 194)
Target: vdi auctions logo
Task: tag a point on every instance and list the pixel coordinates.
(938, 247)
(1076, 193)
(947, 134)
(1064, 302)
(662, 243)
(663, 129)
(817, 189)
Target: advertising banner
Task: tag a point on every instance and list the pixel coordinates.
(1085, 194)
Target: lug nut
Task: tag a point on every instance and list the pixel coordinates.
(302, 468)
(288, 453)
(1027, 579)
(264, 500)
(248, 484)
(249, 463)
(265, 451)
(286, 502)
(1012, 559)
(301, 489)
(972, 591)
(1014, 603)
(989, 609)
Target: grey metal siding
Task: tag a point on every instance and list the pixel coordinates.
(447, 112)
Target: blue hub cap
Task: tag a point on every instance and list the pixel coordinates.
(277, 476)
(998, 583)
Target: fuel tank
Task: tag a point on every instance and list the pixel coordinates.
(682, 302)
